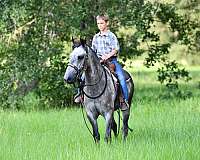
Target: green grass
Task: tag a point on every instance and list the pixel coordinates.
(162, 129)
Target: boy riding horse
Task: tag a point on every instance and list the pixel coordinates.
(106, 45)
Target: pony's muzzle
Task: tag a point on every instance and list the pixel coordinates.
(69, 80)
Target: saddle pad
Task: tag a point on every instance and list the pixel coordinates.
(126, 74)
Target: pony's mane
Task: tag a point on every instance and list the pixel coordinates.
(82, 43)
(92, 50)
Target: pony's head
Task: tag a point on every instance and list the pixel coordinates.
(77, 60)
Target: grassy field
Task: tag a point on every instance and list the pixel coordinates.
(163, 129)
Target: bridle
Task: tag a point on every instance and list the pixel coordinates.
(79, 71)
(82, 69)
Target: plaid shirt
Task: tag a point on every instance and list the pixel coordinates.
(105, 43)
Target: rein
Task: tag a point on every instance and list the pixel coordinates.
(94, 97)
(95, 82)
(82, 106)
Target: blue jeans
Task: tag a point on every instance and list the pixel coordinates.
(120, 75)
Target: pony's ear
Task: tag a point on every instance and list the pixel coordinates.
(72, 39)
(83, 42)
(75, 42)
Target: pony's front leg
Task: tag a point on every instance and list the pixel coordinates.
(93, 121)
(108, 117)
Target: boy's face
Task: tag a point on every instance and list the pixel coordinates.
(102, 25)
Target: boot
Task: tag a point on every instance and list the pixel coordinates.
(124, 105)
(78, 98)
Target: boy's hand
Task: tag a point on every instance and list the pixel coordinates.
(105, 57)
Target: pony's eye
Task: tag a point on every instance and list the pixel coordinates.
(80, 57)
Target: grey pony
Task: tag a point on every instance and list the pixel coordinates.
(99, 91)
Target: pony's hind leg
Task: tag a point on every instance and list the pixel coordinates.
(125, 123)
(93, 121)
(114, 127)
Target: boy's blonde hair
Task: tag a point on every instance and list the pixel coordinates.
(104, 17)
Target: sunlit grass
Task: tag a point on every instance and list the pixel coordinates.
(162, 129)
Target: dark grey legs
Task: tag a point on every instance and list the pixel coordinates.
(93, 121)
(125, 119)
(108, 117)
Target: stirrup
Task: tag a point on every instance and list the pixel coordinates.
(124, 105)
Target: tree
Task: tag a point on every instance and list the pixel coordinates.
(34, 34)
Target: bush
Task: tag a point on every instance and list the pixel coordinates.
(30, 102)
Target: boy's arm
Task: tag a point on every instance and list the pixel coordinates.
(115, 49)
(107, 56)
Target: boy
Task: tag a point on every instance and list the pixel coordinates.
(106, 45)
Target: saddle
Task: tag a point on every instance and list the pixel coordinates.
(119, 96)
(112, 67)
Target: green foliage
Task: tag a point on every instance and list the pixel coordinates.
(157, 53)
(32, 55)
(189, 4)
(33, 33)
(30, 102)
(170, 73)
